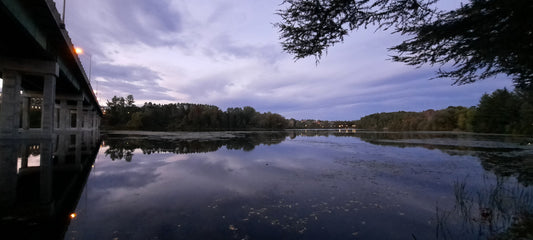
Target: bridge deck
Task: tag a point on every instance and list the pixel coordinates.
(37, 61)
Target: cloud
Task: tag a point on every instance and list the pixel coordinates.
(139, 81)
(129, 21)
(227, 53)
(228, 47)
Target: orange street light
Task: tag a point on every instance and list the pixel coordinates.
(78, 50)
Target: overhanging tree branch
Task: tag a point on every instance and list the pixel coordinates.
(479, 40)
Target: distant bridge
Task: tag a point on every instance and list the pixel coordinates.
(45, 89)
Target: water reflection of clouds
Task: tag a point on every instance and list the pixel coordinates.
(389, 185)
(214, 173)
(114, 179)
(244, 173)
(175, 158)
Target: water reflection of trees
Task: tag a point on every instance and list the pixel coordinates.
(123, 146)
(322, 133)
(504, 155)
(496, 211)
(519, 166)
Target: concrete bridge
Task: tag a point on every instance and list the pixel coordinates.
(45, 90)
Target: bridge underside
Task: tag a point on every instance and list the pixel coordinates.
(45, 90)
(40, 105)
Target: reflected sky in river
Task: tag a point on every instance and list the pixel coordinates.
(303, 185)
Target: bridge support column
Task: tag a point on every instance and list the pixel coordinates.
(25, 113)
(63, 115)
(95, 121)
(11, 100)
(24, 156)
(87, 119)
(63, 142)
(49, 101)
(79, 115)
(12, 107)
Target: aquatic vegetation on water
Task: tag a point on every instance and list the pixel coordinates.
(496, 210)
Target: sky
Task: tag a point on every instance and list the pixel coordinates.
(228, 53)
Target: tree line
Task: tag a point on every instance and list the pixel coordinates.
(121, 113)
(502, 111)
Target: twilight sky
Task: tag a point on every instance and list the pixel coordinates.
(228, 53)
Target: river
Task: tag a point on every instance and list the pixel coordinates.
(314, 184)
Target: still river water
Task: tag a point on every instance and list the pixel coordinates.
(308, 185)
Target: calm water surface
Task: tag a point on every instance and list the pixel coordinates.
(308, 185)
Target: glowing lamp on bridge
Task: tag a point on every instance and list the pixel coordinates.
(78, 50)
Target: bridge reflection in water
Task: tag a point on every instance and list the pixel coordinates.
(41, 182)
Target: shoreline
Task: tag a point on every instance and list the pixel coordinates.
(182, 135)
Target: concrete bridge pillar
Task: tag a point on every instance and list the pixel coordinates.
(11, 101)
(95, 120)
(24, 156)
(79, 115)
(88, 120)
(49, 102)
(62, 147)
(15, 108)
(63, 115)
(25, 113)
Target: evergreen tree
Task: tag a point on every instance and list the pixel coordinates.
(478, 40)
(497, 112)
